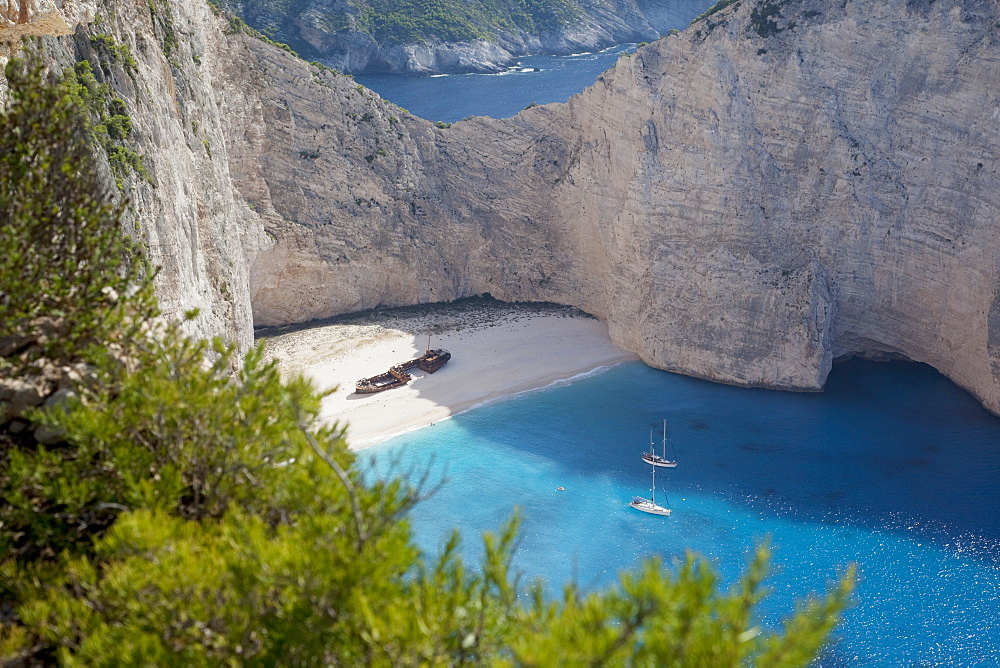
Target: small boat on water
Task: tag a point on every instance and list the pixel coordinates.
(656, 460)
(649, 505)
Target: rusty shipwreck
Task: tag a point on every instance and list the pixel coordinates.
(398, 375)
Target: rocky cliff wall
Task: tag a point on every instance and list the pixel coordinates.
(812, 180)
(195, 226)
(333, 31)
(28, 18)
(781, 184)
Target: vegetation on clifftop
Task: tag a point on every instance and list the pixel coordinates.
(717, 7)
(407, 21)
(414, 21)
(165, 509)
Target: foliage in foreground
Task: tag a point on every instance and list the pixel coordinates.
(194, 515)
(62, 256)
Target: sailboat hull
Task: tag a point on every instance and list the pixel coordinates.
(656, 460)
(648, 506)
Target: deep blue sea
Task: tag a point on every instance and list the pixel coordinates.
(540, 79)
(892, 468)
(452, 97)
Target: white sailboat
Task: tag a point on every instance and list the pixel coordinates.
(657, 460)
(649, 505)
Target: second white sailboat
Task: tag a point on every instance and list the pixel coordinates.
(657, 460)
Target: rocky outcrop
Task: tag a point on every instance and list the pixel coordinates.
(33, 18)
(21, 18)
(477, 56)
(44, 383)
(784, 183)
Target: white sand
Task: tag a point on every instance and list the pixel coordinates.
(497, 350)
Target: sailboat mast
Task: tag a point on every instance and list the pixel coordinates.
(653, 497)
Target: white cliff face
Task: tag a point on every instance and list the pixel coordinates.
(473, 56)
(784, 183)
(743, 202)
(197, 230)
(830, 189)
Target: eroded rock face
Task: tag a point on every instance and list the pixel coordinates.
(783, 183)
(31, 18)
(845, 155)
(196, 229)
(780, 185)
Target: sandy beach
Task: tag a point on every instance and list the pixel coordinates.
(497, 350)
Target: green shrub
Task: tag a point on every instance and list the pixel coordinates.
(63, 256)
(115, 52)
(107, 121)
(195, 513)
(717, 7)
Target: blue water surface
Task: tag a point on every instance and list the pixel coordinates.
(892, 468)
(452, 97)
(539, 79)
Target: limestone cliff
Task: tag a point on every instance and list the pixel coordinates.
(782, 184)
(28, 18)
(785, 182)
(160, 58)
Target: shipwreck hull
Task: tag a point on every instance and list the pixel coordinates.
(433, 360)
(397, 376)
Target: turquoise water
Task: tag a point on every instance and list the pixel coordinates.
(892, 468)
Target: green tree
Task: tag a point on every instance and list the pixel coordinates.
(192, 511)
(65, 260)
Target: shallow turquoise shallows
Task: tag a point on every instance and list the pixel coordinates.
(892, 468)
